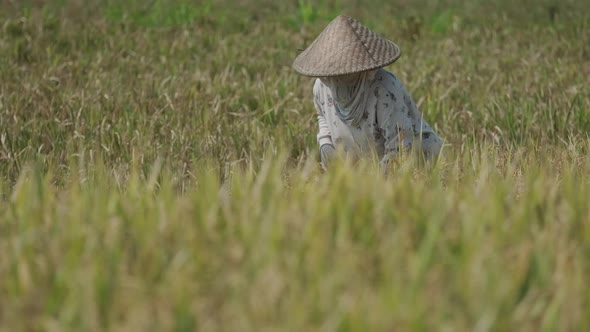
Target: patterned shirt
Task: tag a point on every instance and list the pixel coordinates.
(390, 120)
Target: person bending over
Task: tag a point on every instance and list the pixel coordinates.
(362, 107)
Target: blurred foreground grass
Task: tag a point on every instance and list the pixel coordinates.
(158, 171)
(475, 243)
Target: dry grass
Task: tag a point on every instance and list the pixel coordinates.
(158, 171)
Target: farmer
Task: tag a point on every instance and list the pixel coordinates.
(361, 106)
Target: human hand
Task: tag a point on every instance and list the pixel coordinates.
(327, 153)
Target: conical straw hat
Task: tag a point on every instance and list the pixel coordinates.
(344, 47)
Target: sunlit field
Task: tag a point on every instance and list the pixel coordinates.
(159, 171)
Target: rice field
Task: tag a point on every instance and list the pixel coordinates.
(159, 171)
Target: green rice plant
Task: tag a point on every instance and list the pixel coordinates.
(159, 13)
(159, 171)
(308, 11)
(286, 247)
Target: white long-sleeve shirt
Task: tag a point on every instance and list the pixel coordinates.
(390, 120)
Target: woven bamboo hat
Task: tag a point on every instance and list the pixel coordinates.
(345, 46)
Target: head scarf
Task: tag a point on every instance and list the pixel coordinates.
(350, 93)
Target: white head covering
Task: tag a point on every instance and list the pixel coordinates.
(350, 93)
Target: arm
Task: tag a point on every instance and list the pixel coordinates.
(430, 143)
(324, 136)
(395, 121)
(327, 150)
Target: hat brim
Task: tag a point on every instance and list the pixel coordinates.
(346, 47)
